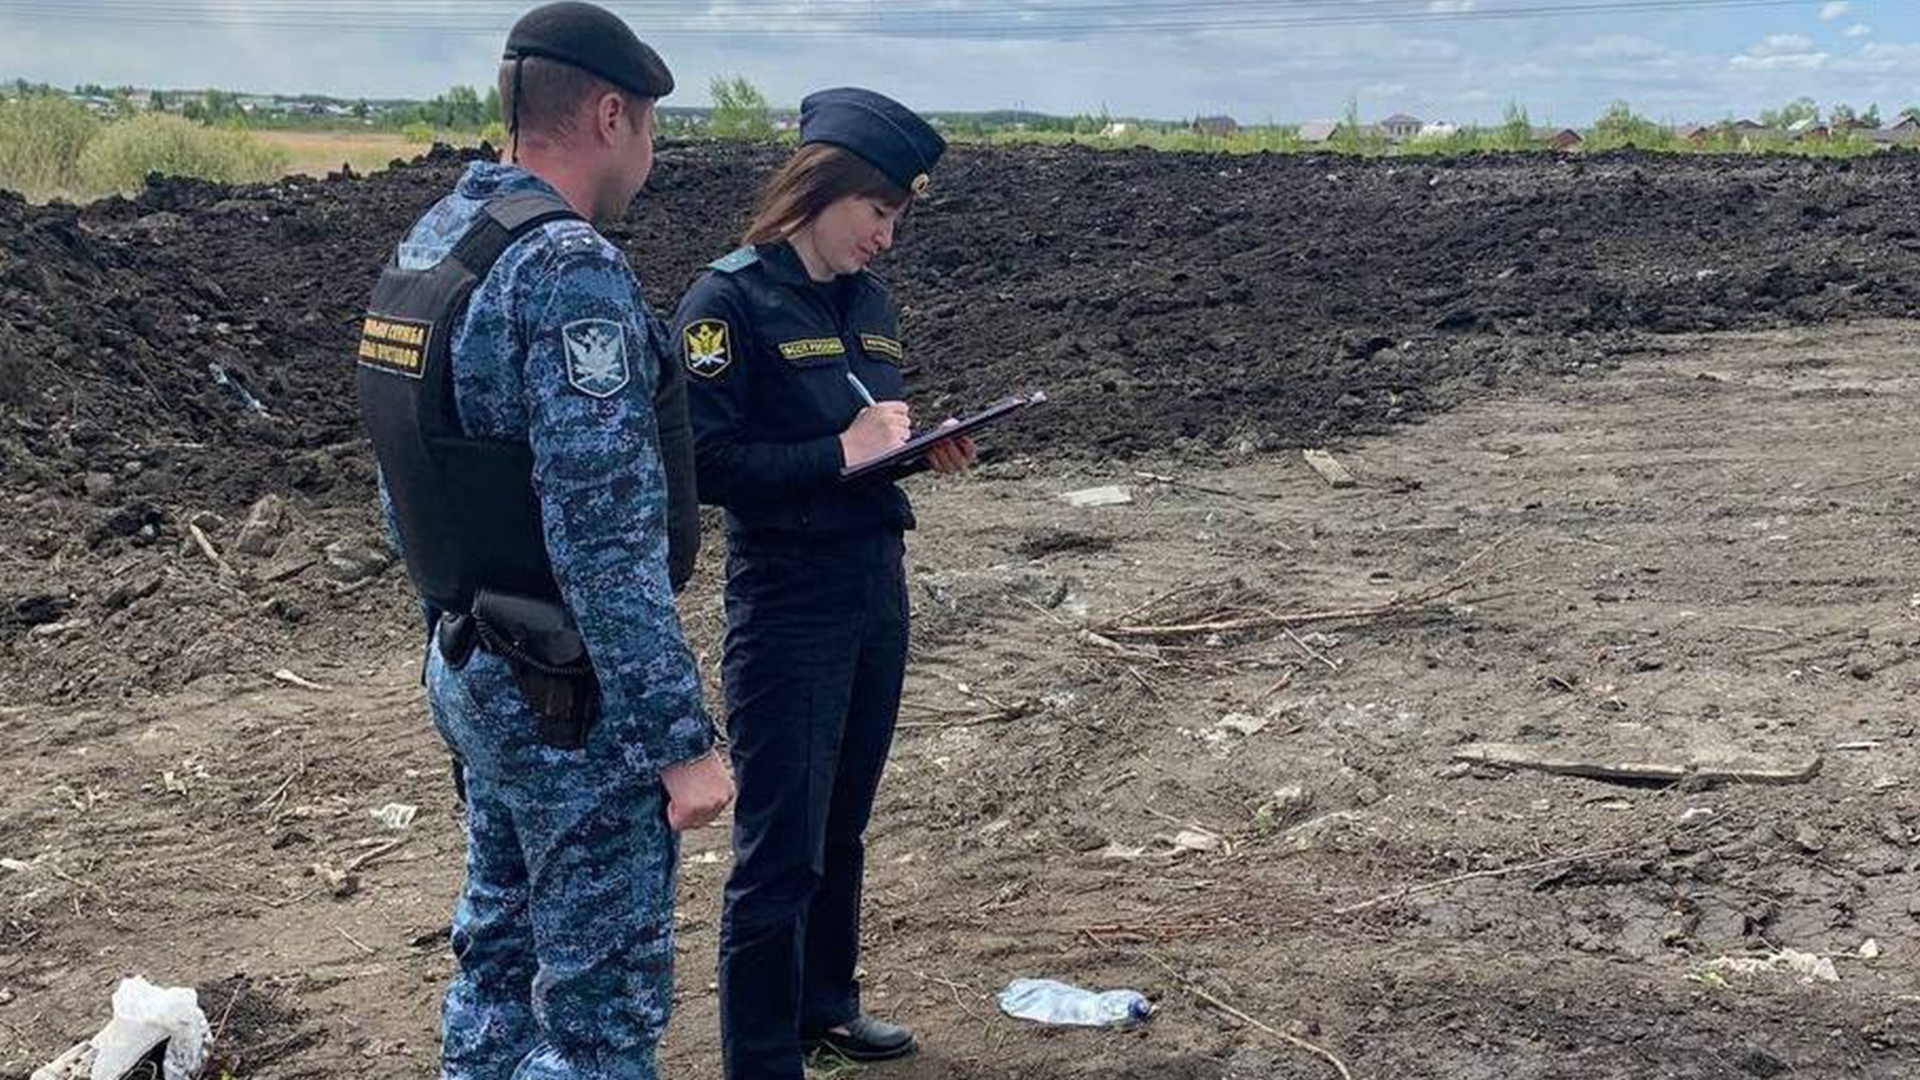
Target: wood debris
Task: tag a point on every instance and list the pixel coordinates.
(1644, 766)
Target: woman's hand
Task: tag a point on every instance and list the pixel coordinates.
(955, 455)
(878, 429)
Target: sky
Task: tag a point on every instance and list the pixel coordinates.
(1256, 60)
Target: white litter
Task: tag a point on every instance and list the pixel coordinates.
(396, 815)
(1809, 967)
(149, 1023)
(1244, 724)
(1100, 496)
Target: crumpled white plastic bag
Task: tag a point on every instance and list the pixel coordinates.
(144, 1016)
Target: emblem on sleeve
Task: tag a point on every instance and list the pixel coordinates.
(706, 347)
(596, 356)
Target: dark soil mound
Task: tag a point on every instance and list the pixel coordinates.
(187, 351)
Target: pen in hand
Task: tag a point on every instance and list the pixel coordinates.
(861, 389)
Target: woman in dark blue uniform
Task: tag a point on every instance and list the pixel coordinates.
(794, 353)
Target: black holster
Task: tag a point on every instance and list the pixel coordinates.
(544, 651)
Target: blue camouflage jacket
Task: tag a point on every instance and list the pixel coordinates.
(591, 425)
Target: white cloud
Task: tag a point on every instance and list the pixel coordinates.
(1625, 47)
(1887, 58)
(1782, 45)
(1858, 30)
(1834, 9)
(1778, 52)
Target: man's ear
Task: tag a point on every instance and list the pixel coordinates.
(609, 114)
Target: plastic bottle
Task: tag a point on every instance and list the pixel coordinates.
(1050, 1002)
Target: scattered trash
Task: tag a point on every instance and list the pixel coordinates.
(1048, 1002)
(340, 883)
(292, 679)
(75, 1064)
(172, 782)
(1118, 850)
(1868, 744)
(396, 815)
(15, 866)
(1200, 840)
(159, 1028)
(1870, 949)
(1809, 967)
(232, 386)
(1329, 468)
(1285, 805)
(1696, 813)
(1100, 496)
(1244, 724)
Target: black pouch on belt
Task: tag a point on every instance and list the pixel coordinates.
(548, 658)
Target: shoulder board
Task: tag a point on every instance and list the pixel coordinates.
(736, 261)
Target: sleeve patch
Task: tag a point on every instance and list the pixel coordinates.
(596, 356)
(883, 346)
(707, 345)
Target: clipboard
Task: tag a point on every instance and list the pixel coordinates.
(908, 455)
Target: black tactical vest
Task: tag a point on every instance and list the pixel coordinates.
(468, 515)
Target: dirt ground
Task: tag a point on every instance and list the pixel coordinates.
(1702, 544)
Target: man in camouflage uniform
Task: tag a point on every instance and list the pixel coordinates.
(563, 933)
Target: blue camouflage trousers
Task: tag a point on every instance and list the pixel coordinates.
(563, 934)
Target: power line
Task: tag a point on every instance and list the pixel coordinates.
(857, 17)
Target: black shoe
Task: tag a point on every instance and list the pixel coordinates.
(866, 1039)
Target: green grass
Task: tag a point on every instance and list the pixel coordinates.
(122, 155)
(54, 148)
(41, 140)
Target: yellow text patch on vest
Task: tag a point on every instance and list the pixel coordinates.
(883, 346)
(396, 345)
(813, 348)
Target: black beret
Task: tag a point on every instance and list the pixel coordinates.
(890, 136)
(593, 39)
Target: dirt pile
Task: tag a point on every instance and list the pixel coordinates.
(167, 360)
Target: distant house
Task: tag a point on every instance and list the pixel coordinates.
(141, 99)
(1318, 132)
(1809, 130)
(1904, 133)
(1561, 139)
(1216, 125)
(1400, 127)
(1693, 134)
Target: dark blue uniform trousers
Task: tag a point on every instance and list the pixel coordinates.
(816, 651)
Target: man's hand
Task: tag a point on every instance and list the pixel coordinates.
(878, 429)
(955, 455)
(698, 791)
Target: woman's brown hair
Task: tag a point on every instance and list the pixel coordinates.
(814, 178)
